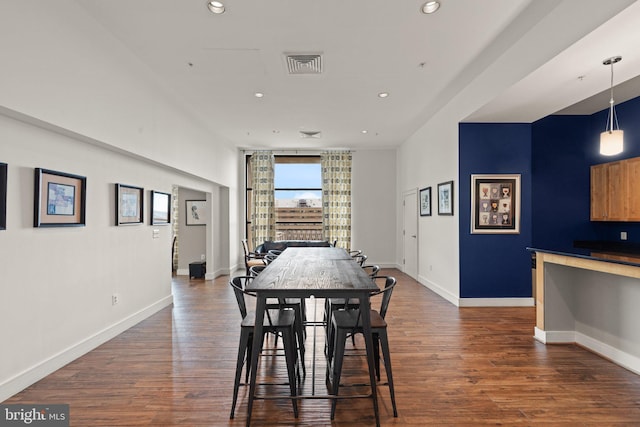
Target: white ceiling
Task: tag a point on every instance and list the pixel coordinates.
(215, 63)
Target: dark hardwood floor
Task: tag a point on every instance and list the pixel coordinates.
(452, 366)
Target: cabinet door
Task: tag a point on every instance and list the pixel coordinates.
(633, 189)
(617, 200)
(598, 192)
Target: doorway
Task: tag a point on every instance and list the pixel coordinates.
(410, 233)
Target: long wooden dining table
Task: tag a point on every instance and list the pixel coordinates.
(302, 272)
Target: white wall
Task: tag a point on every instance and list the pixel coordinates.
(373, 223)
(192, 240)
(74, 100)
(57, 283)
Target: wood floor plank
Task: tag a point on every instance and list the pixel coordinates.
(452, 366)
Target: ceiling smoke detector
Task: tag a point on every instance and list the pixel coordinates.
(304, 63)
(310, 134)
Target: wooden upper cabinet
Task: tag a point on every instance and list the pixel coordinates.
(598, 192)
(633, 189)
(615, 191)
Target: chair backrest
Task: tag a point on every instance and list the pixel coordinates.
(386, 291)
(371, 270)
(239, 283)
(271, 256)
(360, 259)
(256, 269)
(245, 247)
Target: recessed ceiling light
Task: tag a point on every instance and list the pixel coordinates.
(216, 7)
(430, 7)
(364, 131)
(258, 94)
(383, 94)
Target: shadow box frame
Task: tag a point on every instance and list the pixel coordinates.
(3, 195)
(191, 218)
(59, 199)
(160, 199)
(445, 198)
(425, 201)
(129, 204)
(503, 190)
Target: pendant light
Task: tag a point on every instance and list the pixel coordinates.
(611, 140)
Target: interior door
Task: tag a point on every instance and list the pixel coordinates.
(410, 233)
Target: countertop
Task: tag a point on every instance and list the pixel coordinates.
(583, 253)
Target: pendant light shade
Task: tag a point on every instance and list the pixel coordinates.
(612, 140)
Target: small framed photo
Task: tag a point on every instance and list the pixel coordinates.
(3, 196)
(59, 199)
(160, 208)
(196, 213)
(129, 204)
(495, 204)
(425, 201)
(445, 198)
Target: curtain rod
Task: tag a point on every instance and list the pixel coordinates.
(317, 152)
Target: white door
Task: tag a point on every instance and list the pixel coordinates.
(410, 233)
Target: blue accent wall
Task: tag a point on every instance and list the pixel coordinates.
(553, 156)
(561, 181)
(494, 265)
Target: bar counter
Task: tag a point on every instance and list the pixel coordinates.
(591, 301)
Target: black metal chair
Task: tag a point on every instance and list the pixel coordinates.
(296, 304)
(278, 321)
(347, 322)
(332, 304)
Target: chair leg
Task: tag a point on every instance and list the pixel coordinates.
(387, 367)
(299, 325)
(290, 354)
(338, 357)
(376, 353)
(242, 351)
(248, 359)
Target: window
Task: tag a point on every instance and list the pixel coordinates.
(298, 198)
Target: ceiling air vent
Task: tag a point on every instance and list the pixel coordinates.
(310, 134)
(304, 63)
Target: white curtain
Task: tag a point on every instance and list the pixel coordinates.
(336, 197)
(263, 215)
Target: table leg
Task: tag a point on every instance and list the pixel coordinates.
(261, 303)
(365, 315)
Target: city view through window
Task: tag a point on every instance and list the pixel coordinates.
(298, 200)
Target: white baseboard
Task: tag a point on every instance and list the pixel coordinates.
(617, 356)
(453, 299)
(219, 272)
(496, 302)
(554, 337)
(182, 272)
(30, 376)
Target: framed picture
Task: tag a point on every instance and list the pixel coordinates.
(129, 204)
(196, 213)
(445, 198)
(59, 199)
(3, 196)
(160, 208)
(425, 201)
(495, 204)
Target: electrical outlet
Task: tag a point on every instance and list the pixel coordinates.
(623, 235)
(115, 299)
(203, 257)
